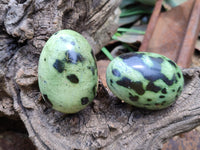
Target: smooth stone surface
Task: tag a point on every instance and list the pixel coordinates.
(67, 72)
(145, 80)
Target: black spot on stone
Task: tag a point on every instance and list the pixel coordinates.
(173, 90)
(136, 86)
(176, 81)
(161, 96)
(170, 82)
(149, 99)
(59, 65)
(172, 63)
(125, 82)
(84, 100)
(179, 75)
(73, 57)
(116, 73)
(73, 43)
(133, 98)
(157, 104)
(163, 102)
(130, 55)
(153, 73)
(63, 39)
(179, 89)
(44, 59)
(73, 78)
(164, 91)
(56, 33)
(94, 89)
(46, 99)
(147, 104)
(152, 87)
(158, 60)
(92, 53)
(111, 81)
(92, 68)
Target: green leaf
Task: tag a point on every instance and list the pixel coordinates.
(128, 20)
(125, 3)
(138, 12)
(107, 53)
(174, 3)
(147, 2)
(131, 35)
(130, 30)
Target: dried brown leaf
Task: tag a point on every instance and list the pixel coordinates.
(170, 30)
(173, 35)
(102, 66)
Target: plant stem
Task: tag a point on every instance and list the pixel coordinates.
(107, 53)
(124, 14)
(130, 30)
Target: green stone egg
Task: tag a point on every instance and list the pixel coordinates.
(67, 72)
(145, 80)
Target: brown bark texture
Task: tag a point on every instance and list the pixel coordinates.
(25, 26)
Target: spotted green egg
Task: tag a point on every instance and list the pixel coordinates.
(67, 72)
(146, 80)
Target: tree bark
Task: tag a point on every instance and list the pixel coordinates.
(107, 123)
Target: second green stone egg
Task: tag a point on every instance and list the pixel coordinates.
(144, 79)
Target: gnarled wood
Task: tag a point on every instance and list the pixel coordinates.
(105, 124)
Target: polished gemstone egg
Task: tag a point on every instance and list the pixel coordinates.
(146, 80)
(67, 72)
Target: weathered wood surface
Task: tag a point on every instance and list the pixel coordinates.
(107, 123)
